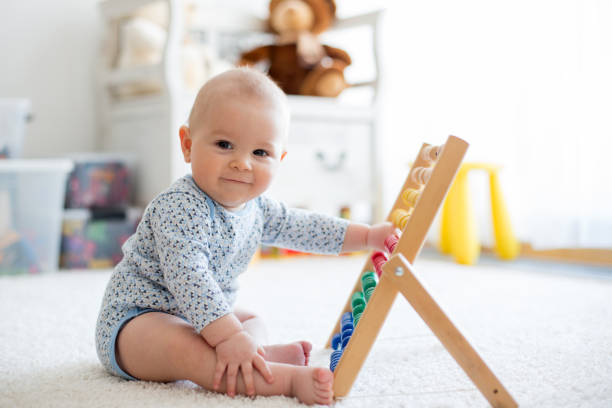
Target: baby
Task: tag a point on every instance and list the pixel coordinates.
(167, 312)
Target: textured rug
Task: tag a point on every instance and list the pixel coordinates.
(544, 329)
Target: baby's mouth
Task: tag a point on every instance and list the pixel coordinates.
(235, 180)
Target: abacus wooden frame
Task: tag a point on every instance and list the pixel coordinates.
(399, 276)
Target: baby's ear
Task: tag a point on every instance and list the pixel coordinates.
(185, 136)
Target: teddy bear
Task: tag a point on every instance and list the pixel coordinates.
(298, 62)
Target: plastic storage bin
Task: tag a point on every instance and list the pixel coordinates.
(31, 200)
(14, 113)
(89, 242)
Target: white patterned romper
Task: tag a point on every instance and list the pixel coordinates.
(188, 251)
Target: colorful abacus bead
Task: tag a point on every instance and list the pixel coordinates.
(430, 153)
(335, 357)
(357, 312)
(410, 197)
(399, 218)
(390, 243)
(333, 360)
(368, 279)
(357, 299)
(368, 293)
(346, 336)
(347, 328)
(368, 284)
(378, 260)
(421, 175)
(346, 321)
(336, 341)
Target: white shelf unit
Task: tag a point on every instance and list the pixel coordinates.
(333, 154)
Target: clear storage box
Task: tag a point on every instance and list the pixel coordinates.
(31, 203)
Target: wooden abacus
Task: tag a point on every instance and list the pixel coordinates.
(413, 212)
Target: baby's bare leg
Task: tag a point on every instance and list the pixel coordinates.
(253, 324)
(297, 353)
(161, 347)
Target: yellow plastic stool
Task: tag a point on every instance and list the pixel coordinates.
(458, 234)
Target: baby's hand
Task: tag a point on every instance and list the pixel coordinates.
(240, 351)
(378, 233)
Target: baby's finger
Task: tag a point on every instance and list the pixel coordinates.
(261, 365)
(247, 376)
(232, 372)
(219, 370)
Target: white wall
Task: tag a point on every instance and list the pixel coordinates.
(48, 50)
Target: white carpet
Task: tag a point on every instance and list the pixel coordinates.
(546, 332)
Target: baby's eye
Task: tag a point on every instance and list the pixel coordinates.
(260, 152)
(224, 144)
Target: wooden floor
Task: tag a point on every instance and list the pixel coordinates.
(581, 256)
(596, 257)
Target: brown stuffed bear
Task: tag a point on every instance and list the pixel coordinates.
(298, 62)
(314, 16)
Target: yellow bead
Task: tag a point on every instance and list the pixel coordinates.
(400, 217)
(410, 197)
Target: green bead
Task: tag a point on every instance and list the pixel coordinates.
(358, 309)
(368, 273)
(368, 279)
(357, 299)
(356, 318)
(368, 293)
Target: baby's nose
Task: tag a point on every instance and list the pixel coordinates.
(241, 162)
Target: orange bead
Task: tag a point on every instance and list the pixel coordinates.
(430, 153)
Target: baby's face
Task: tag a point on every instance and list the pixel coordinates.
(236, 150)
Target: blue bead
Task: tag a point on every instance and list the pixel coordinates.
(347, 317)
(346, 336)
(334, 358)
(346, 333)
(336, 340)
(347, 321)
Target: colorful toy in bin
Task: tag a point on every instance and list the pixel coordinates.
(99, 182)
(89, 242)
(16, 255)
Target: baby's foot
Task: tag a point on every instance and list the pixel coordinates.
(297, 353)
(313, 385)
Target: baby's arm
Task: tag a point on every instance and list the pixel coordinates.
(308, 231)
(362, 236)
(235, 349)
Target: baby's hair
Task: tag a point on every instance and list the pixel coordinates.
(238, 82)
